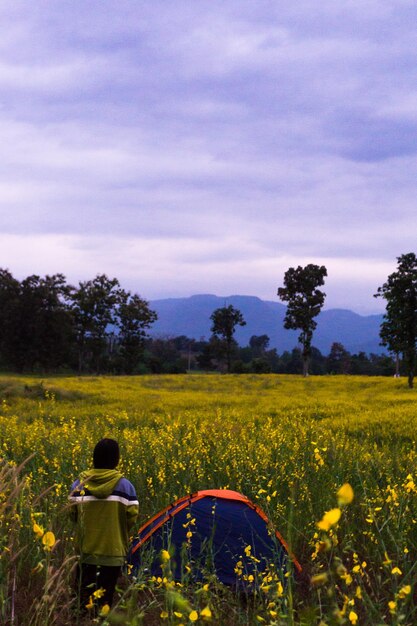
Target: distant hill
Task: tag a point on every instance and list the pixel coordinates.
(191, 317)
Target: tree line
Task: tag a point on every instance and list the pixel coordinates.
(181, 354)
(48, 325)
(305, 300)
(97, 326)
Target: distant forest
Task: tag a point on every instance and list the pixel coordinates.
(97, 327)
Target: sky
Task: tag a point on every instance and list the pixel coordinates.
(206, 146)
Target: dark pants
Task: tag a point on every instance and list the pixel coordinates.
(90, 578)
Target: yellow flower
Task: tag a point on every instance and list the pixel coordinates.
(206, 613)
(38, 568)
(99, 593)
(319, 579)
(48, 540)
(329, 519)
(248, 550)
(90, 604)
(353, 618)
(396, 571)
(177, 614)
(193, 616)
(38, 530)
(105, 610)
(392, 606)
(345, 495)
(165, 556)
(164, 615)
(404, 591)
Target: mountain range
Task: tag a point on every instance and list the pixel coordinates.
(191, 317)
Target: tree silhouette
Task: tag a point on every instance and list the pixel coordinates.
(224, 322)
(305, 301)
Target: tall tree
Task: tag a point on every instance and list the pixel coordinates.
(134, 317)
(36, 324)
(46, 322)
(94, 306)
(224, 322)
(259, 344)
(338, 361)
(399, 327)
(9, 318)
(305, 301)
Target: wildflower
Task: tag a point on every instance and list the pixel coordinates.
(206, 613)
(404, 591)
(177, 614)
(396, 571)
(248, 550)
(193, 616)
(90, 604)
(38, 530)
(345, 495)
(165, 556)
(48, 540)
(39, 567)
(353, 618)
(105, 610)
(392, 606)
(99, 593)
(319, 579)
(329, 519)
(164, 615)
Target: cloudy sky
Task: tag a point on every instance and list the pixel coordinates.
(205, 146)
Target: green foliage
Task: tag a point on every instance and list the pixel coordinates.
(224, 322)
(399, 328)
(47, 325)
(305, 301)
(134, 317)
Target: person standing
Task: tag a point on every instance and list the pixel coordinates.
(104, 508)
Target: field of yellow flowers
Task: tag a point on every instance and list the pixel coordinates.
(332, 460)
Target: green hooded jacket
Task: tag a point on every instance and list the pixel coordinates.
(105, 509)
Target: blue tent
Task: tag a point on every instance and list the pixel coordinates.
(214, 531)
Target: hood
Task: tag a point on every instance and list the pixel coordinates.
(100, 482)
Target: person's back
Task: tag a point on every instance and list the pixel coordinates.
(105, 509)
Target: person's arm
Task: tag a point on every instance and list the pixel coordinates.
(132, 507)
(132, 515)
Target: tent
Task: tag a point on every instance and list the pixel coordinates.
(217, 531)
